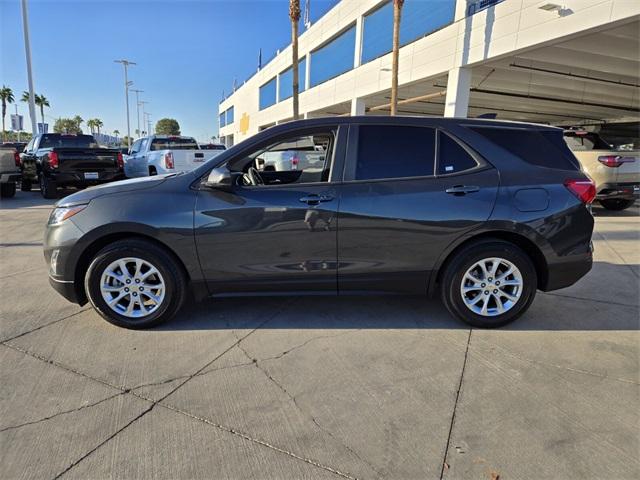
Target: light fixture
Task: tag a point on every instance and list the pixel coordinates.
(550, 7)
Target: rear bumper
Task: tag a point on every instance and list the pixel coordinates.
(78, 178)
(8, 177)
(565, 271)
(624, 191)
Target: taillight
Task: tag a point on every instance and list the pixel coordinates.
(120, 161)
(16, 158)
(585, 190)
(168, 160)
(53, 160)
(615, 161)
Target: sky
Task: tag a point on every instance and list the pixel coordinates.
(187, 53)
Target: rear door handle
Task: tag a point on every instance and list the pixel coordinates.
(316, 199)
(462, 189)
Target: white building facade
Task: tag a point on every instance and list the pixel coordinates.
(569, 63)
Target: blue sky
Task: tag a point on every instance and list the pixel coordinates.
(187, 53)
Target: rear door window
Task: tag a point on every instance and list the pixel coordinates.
(542, 148)
(453, 157)
(394, 151)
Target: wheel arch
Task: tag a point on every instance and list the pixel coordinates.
(525, 244)
(89, 252)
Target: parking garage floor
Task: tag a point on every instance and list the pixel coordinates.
(320, 387)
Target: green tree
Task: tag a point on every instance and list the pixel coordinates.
(66, 125)
(79, 120)
(6, 94)
(91, 123)
(167, 126)
(40, 100)
(116, 133)
(98, 124)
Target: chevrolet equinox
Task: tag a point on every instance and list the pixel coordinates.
(480, 211)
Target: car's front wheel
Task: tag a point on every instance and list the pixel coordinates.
(489, 284)
(616, 204)
(135, 284)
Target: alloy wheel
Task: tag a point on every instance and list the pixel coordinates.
(132, 287)
(491, 287)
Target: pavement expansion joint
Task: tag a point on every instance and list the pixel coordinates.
(455, 406)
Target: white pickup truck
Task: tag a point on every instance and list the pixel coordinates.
(9, 171)
(167, 154)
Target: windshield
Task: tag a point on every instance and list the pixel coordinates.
(174, 143)
(67, 141)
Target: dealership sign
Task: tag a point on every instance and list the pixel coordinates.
(474, 7)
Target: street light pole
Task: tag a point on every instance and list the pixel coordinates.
(125, 64)
(27, 51)
(144, 115)
(137, 106)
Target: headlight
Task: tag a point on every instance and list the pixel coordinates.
(60, 214)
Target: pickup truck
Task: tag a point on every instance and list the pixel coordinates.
(616, 173)
(9, 171)
(168, 154)
(59, 160)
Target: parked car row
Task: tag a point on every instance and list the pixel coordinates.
(55, 160)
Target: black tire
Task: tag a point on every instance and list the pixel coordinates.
(172, 273)
(7, 190)
(25, 185)
(456, 268)
(616, 204)
(48, 187)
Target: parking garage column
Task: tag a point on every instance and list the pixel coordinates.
(357, 107)
(457, 100)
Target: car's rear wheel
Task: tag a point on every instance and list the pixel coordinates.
(135, 284)
(48, 187)
(25, 185)
(7, 190)
(489, 284)
(616, 204)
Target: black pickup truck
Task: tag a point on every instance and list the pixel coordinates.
(58, 160)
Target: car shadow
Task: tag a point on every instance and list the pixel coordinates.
(573, 309)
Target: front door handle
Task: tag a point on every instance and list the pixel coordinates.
(462, 189)
(316, 199)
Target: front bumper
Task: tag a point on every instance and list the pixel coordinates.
(66, 288)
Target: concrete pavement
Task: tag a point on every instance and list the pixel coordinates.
(320, 387)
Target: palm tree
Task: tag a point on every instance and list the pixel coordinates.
(98, 124)
(6, 94)
(40, 100)
(78, 120)
(91, 123)
(294, 15)
(116, 133)
(397, 14)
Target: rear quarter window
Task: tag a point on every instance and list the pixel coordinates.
(544, 148)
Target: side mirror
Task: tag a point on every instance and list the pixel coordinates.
(221, 179)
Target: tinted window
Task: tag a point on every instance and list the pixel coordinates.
(419, 18)
(222, 119)
(286, 80)
(70, 141)
(452, 157)
(267, 94)
(174, 143)
(580, 141)
(333, 59)
(229, 113)
(394, 152)
(542, 148)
